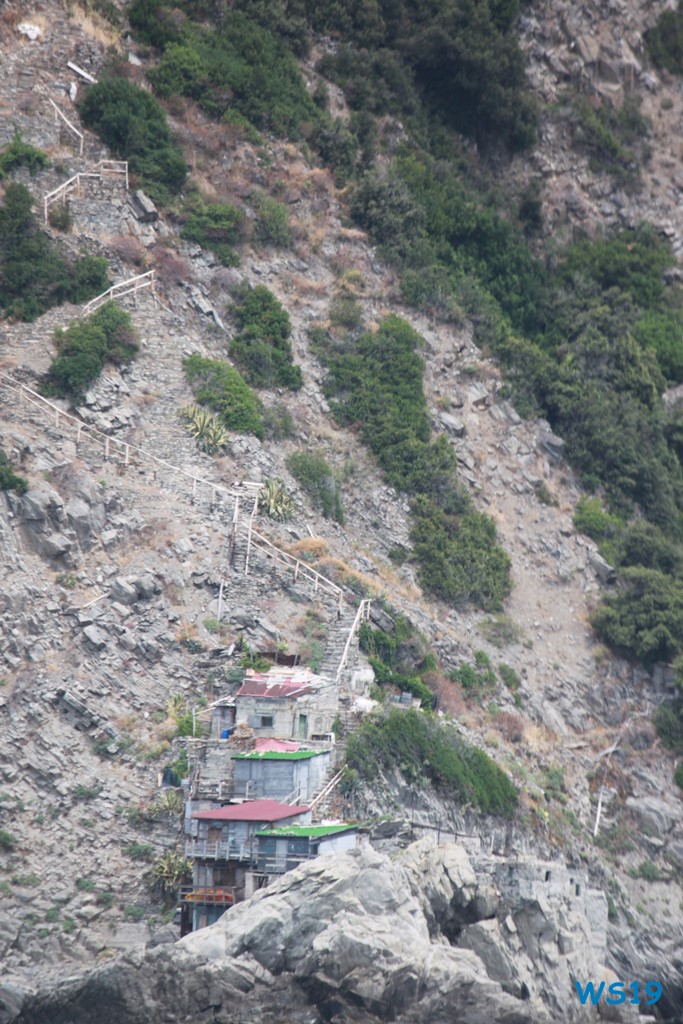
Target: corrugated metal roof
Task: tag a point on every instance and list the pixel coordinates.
(274, 690)
(305, 831)
(278, 755)
(279, 683)
(252, 810)
(266, 743)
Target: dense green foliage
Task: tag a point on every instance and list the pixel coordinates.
(425, 750)
(235, 63)
(613, 138)
(18, 153)
(375, 385)
(261, 347)
(84, 348)
(665, 41)
(216, 226)
(318, 479)
(668, 719)
(9, 480)
(396, 661)
(644, 620)
(131, 122)
(33, 274)
(219, 386)
(458, 59)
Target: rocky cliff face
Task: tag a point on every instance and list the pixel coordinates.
(110, 573)
(419, 937)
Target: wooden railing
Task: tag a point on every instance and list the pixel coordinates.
(327, 789)
(362, 615)
(300, 569)
(105, 168)
(122, 451)
(72, 127)
(130, 287)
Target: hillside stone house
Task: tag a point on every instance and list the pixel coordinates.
(287, 703)
(282, 849)
(222, 846)
(285, 775)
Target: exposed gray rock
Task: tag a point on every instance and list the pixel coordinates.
(360, 937)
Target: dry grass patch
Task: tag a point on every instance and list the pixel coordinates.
(311, 547)
(539, 739)
(94, 26)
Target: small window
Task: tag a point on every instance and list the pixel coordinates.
(547, 876)
(578, 890)
(266, 721)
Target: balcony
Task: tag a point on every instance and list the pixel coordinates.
(202, 849)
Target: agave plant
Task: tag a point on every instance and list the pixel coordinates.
(170, 871)
(275, 502)
(209, 433)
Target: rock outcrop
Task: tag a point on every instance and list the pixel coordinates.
(362, 937)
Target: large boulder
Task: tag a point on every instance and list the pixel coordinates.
(358, 938)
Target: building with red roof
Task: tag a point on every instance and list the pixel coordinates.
(287, 703)
(222, 846)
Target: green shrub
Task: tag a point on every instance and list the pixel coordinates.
(509, 677)
(60, 217)
(85, 885)
(131, 913)
(612, 139)
(375, 384)
(668, 720)
(7, 840)
(272, 223)
(278, 422)
(475, 679)
(261, 347)
(33, 274)
(236, 64)
(105, 899)
(590, 518)
(318, 479)
(216, 226)
(398, 659)
(648, 871)
(678, 775)
(663, 332)
(220, 387)
(644, 620)
(20, 154)
(9, 480)
(664, 41)
(84, 348)
(425, 750)
(345, 311)
(133, 124)
(139, 851)
(82, 792)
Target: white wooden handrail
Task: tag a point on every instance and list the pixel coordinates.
(300, 568)
(123, 449)
(362, 615)
(70, 126)
(100, 170)
(131, 286)
(326, 790)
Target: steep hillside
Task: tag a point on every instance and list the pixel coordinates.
(115, 552)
